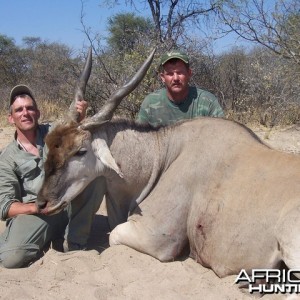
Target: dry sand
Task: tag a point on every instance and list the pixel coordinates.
(122, 273)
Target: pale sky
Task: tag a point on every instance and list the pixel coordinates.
(53, 20)
(59, 20)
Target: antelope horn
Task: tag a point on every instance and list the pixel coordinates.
(80, 87)
(107, 110)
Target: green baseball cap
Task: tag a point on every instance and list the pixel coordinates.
(20, 90)
(174, 54)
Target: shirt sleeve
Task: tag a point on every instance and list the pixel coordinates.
(216, 109)
(142, 116)
(10, 190)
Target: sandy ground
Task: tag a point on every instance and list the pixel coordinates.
(121, 273)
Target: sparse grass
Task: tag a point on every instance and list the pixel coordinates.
(274, 116)
(52, 111)
(3, 118)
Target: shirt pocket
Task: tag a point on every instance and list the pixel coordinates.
(30, 175)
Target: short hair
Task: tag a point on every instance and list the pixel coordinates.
(25, 96)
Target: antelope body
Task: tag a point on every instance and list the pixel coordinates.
(208, 184)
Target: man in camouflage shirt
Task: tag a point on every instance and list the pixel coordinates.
(178, 100)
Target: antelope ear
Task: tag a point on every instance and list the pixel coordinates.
(103, 153)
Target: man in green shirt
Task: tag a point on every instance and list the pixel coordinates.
(178, 100)
(29, 231)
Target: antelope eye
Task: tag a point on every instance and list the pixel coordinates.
(81, 152)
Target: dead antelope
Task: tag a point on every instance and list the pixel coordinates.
(208, 183)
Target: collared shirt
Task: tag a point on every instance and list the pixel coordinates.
(21, 173)
(158, 110)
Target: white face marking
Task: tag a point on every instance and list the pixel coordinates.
(81, 169)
